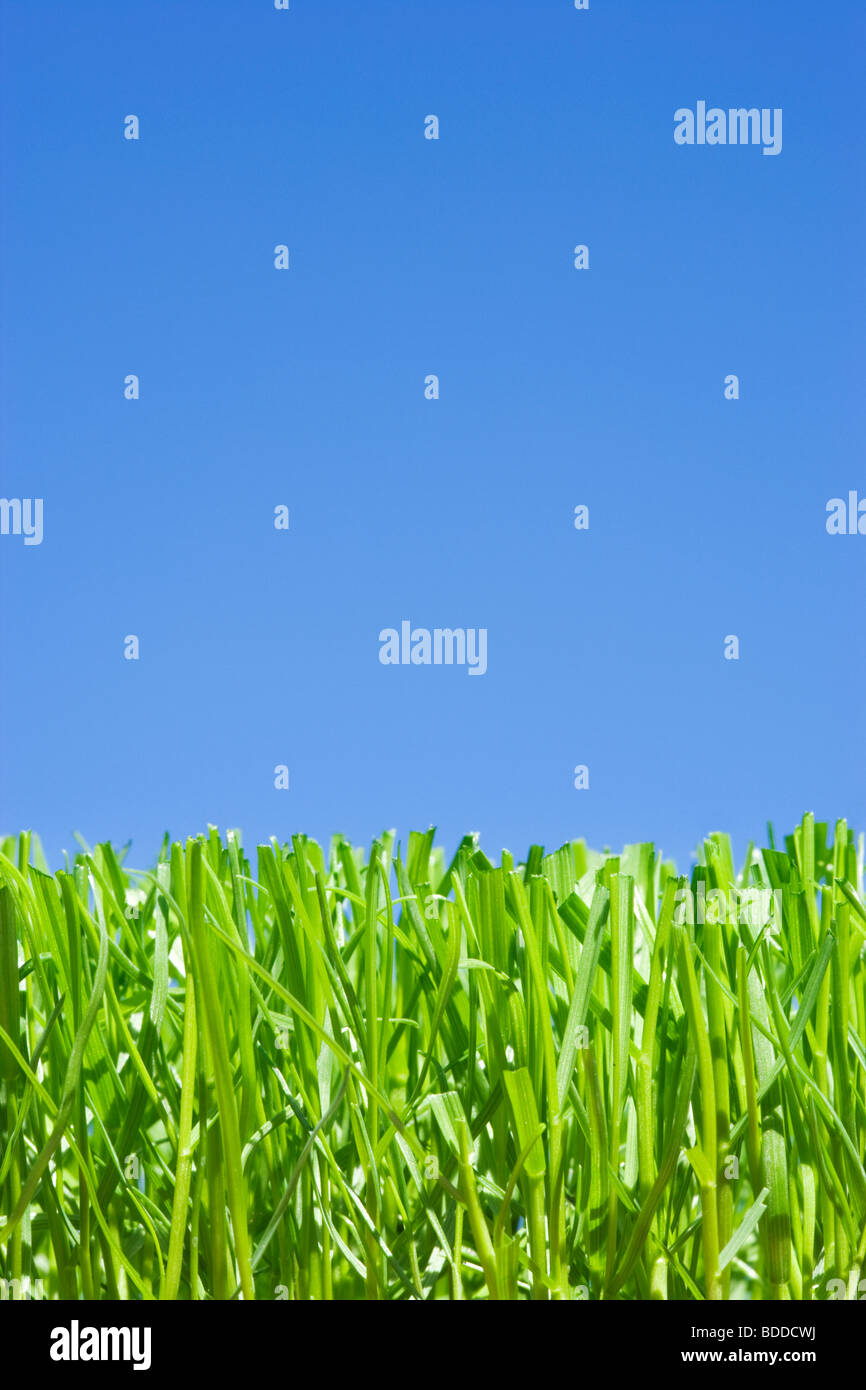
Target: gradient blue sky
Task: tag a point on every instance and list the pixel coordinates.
(558, 387)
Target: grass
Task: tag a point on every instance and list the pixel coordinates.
(391, 1077)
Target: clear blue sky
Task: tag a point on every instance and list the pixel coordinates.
(306, 387)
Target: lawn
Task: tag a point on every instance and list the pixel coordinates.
(385, 1074)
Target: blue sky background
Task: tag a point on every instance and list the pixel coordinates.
(411, 257)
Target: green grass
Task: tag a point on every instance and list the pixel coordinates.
(386, 1076)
